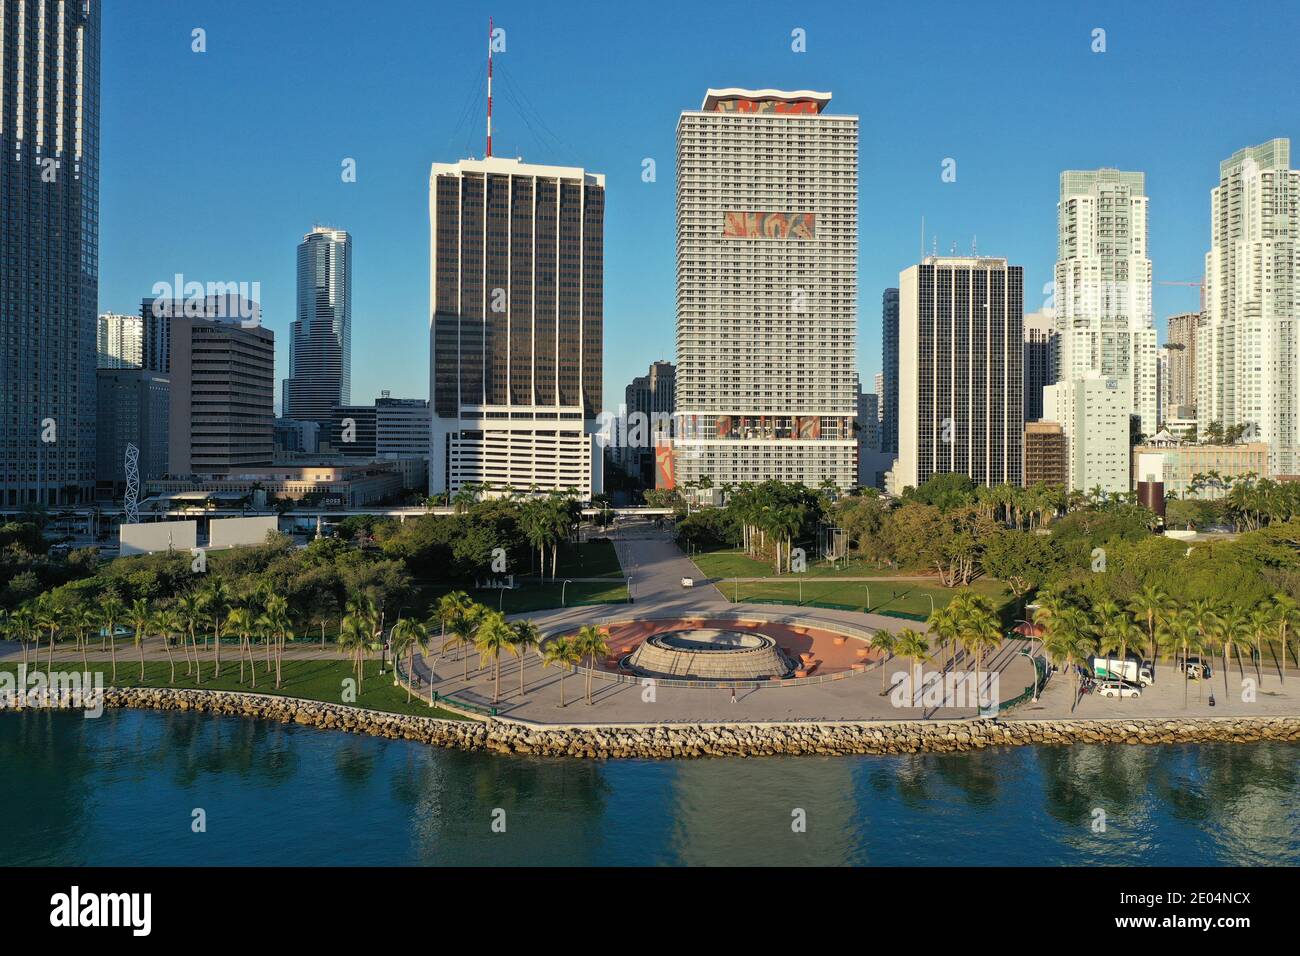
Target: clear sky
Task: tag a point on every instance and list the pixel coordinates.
(214, 164)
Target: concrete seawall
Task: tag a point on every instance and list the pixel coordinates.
(708, 740)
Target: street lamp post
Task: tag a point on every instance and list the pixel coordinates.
(867, 587)
(1029, 653)
(501, 599)
(563, 588)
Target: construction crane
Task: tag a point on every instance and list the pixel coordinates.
(1199, 285)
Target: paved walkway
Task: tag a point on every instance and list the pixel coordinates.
(656, 566)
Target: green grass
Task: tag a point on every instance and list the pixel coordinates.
(736, 564)
(905, 597)
(320, 680)
(537, 597)
(591, 559)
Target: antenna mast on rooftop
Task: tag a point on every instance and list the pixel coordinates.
(489, 91)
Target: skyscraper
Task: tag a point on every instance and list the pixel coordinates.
(120, 341)
(1040, 342)
(648, 404)
(222, 400)
(1248, 346)
(516, 325)
(49, 249)
(1181, 346)
(320, 339)
(889, 353)
(1103, 284)
(767, 240)
(960, 350)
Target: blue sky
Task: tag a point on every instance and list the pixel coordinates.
(215, 164)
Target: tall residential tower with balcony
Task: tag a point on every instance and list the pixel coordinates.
(767, 243)
(1103, 285)
(1248, 344)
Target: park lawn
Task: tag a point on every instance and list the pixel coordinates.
(905, 597)
(532, 596)
(591, 559)
(736, 564)
(320, 680)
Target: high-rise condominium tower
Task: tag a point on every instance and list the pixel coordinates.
(120, 341)
(517, 285)
(1181, 346)
(960, 377)
(49, 249)
(889, 377)
(1248, 346)
(1103, 284)
(320, 340)
(767, 240)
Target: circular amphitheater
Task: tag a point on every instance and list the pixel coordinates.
(710, 654)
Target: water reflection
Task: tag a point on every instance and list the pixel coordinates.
(122, 789)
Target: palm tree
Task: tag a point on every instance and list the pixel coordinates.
(141, 617)
(22, 624)
(450, 605)
(1069, 640)
(491, 637)
(216, 601)
(82, 622)
(887, 643)
(1230, 626)
(354, 639)
(190, 609)
(241, 621)
(1116, 633)
(1205, 621)
(911, 643)
(463, 627)
(526, 637)
(978, 630)
(407, 635)
(1285, 612)
(1148, 605)
(167, 623)
(111, 611)
(591, 643)
(563, 653)
(49, 617)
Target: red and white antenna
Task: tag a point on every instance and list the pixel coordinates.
(489, 91)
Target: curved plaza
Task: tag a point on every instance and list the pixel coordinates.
(835, 674)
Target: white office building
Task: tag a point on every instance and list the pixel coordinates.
(1248, 343)
(767, 240)
(515, 327)
(1094, 413)
(1103, 284)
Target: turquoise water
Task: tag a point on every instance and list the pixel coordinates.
(122, 790)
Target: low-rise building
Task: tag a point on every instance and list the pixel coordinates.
(352, 485)
(1198, 471)
(1047, 454)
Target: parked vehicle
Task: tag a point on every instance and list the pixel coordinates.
(688, 582)
(1196, 668)
(1130, 670)
(1118, 688)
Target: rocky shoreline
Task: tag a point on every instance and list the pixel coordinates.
(709, 740)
